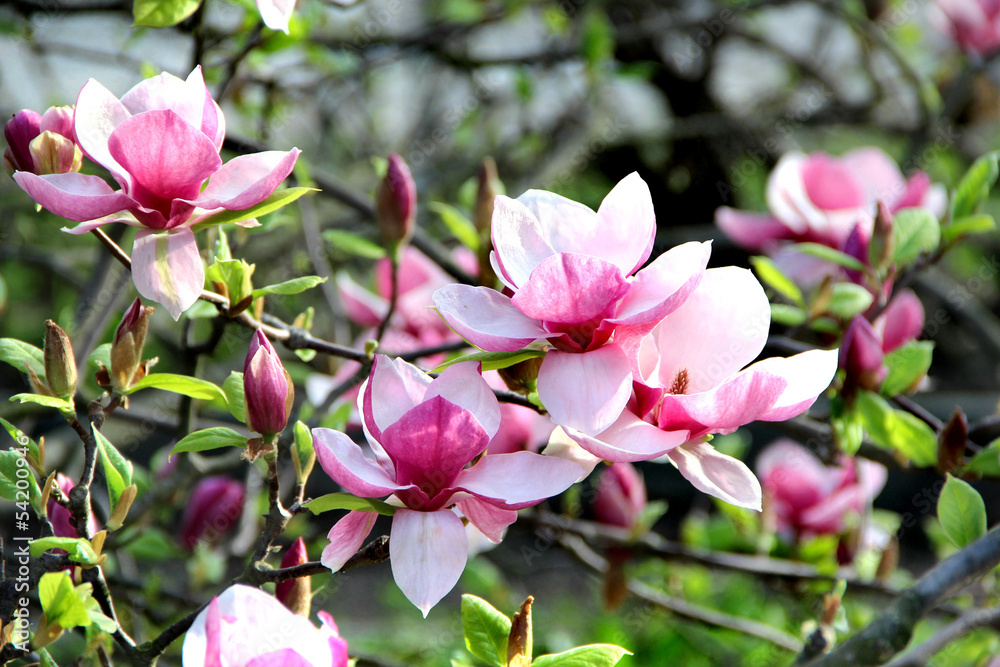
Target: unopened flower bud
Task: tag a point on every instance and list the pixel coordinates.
(396, 203)
(267, 388)
(60, 364)
(215, 506)
(861, 355)
(520, 639)
(620, 497)
(882, 244)
(55, 154)
(126, 349)
(19, 132)
(296, 594)
(521, 377)
(60, 121)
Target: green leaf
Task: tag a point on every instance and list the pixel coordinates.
(486, 630)
(848, 300)
(46, 659)
(975, 185)
(209, 438)
(353, 244)
(791, 316)
(11, 464)
(233, 389)
(20, 439)
(97, 617)
(180, 384)
(459, 225)
(100, 355)
(19, 354)
(61, 404)
(162, 13)
(293, 286)
(594, 655)
(972, 224)
(79, 549)
(830, 255)
(269, 205)
(492, 361)
(237, 276)
(961, 511)
(896, 430)
(986, 461)
(907, 365)
(598, 44)
(347, 501)
(915, 231)
(117, 469)
(60, 600)
(772, 276)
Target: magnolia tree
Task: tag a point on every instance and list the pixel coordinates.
(544, 373)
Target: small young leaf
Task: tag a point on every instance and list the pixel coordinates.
(180, 384)
(772, 276)
(347, 501)
(975, 185)
(353, 244)
(60, 600)
(100, 355)
(791, 316)
(486, 630)
(827, 253)
(272, 203)
(896, 430)
(79, 549)
(61, 404)
(907, 365)
(594, 655)
(11, 464)
(18, 354)
(20, 439)
(209, 438)
(848, 300)
(233, 388)
(986, 461)
(162, 13)
(459, 225)
(961, 511)
(293, 286)
(915, 231)
(973, 224)
(117, 469)
(492, 361)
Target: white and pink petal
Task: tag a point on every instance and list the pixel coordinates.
(428, 552)
(167, 268)
(717, 474)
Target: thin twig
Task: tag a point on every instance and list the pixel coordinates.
(971, 620)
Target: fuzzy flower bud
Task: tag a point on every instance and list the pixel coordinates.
(267, 388)
(396, 203)
(621, 496)
(42, 144)
(861, 355)
(126, 349)
(19, 132)
(882, 243)
(296, 594)
(60, 364)
(214, 507)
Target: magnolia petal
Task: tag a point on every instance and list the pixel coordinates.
(629, 439)
(566, 225)
(213, 635)
(167, 268)
(428, 552)
(718, 475)
(491, 521)
(167, 157)
(562, 446)
(786, 195)
(625, 237)
(737, 401)
(165, 91)
(570, 288)
(807, 376)
(518, 479)
(585, 391)
(519, 243)
(463, 385)
(346, 537)
(486, 318)
(877, 173)
(97, 114)
(247, 180)
(76, 197)
(664, 285)
(285, 657)
(902, 321)
(393, 388)
(752, 231)
(346, 464)
(718, 330)
(361, 306)
(276, 13)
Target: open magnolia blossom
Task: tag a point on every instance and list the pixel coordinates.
(577, 290)
(822, 199)
(425, 434)
(161, 143)
(693, 380)
(246, 627)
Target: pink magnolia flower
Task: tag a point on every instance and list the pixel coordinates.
(276, 13)
(863, 350)
(246, 627)
(214, 507)
(692, 382)
(973, 24)
(810, 498)
(42, 144)
(161, 143)
(267, 388)
(424, 434)
(822, 199)
(620, 497)
(576, 289)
